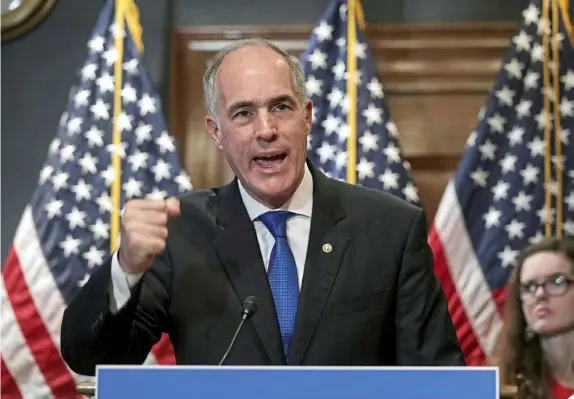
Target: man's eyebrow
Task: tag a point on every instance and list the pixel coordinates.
(241, 104)
(250, 104)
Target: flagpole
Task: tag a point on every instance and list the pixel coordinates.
(124, 10)
(352, 92)
(557, 124)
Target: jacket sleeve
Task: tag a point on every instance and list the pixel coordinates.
(425, 332)
(92, 334)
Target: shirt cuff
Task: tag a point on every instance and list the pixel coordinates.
(121, 282)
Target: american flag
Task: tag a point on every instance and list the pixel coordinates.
(495, 203)
(64, 232)
(380, 163)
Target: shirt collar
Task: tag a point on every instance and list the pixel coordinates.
(301, 203)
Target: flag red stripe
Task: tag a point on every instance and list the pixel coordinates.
(37, 337)
(163, 351)
(10, 389)
(474, 355)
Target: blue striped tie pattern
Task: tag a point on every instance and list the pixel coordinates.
(282, 274)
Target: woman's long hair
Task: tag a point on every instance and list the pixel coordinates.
(521, 361)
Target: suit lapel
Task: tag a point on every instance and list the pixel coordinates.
(325, 253)
(238, 250)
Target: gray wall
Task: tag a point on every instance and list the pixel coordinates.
(38, 69)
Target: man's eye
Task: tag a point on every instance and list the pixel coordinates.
(282, 107)
(242, 114)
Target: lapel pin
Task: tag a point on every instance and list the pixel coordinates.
(327, 248)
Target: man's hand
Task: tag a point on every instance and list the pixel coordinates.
(144, 232)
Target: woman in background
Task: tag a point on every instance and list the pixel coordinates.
(537, 343)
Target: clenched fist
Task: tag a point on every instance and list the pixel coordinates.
(144, 231)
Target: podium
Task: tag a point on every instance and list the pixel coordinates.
(301, 382)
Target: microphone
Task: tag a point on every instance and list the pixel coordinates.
(247, 311)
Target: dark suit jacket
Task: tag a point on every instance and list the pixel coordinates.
(372, 300)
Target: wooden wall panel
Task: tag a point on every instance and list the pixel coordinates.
(435, 78)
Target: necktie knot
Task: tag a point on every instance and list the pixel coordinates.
(276, 222)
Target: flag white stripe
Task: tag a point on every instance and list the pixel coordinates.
(17, 355)
(40, 281)
(465, 271)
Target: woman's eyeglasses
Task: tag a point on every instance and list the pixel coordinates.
(555, 285)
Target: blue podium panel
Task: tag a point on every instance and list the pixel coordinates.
(234, 382)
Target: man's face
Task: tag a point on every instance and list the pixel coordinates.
(263, 126)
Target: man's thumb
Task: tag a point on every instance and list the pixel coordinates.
(172, 206)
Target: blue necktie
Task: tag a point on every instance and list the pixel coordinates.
(282, 274)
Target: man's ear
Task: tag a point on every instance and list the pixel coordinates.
(309, 114)
(213, 129)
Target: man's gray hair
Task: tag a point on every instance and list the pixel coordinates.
(210, 90)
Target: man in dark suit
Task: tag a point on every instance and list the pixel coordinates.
(343, 274)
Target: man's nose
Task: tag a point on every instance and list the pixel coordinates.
(265, 126)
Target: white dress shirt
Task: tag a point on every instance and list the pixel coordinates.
(298, 227)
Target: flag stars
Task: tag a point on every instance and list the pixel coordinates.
(129, 94)
(138, 160)
(365, 169)
(82, 190)
(335, 98)
(326, 152)
(514, 68)
(531, 81)
(339, 70)
(500, 191)
(488, 150)
(100, 230)
(132, 188)
(515, 229)
(147, 105)
(100, 110)
(529, 174)
(88, 163)
(70, 245)
(165, 143)
(76, 218)
(375, 88)
(95, 137)
(74, 125)
(492, 217)
(54, 208)
(81, 98)
(161, 170)
(369, 141)
(105, 83)
(389, 179)
(313, 86)
(507, 164)
(536, 147)
(96, 44)
(496, 123)
(88, 72)
(522, 201)
(60, 181)
(323, 31)
(94, 257)
(523, 109)
(479, 177)
(515, 136)
(568, 80)
(393, 153)
(373, 114)
(410, 192)
(522, 41)
(318, 59)
(506, 96)
(508, 256)
(531, 15)
(124, 122)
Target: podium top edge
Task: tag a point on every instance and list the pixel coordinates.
(293, 368)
